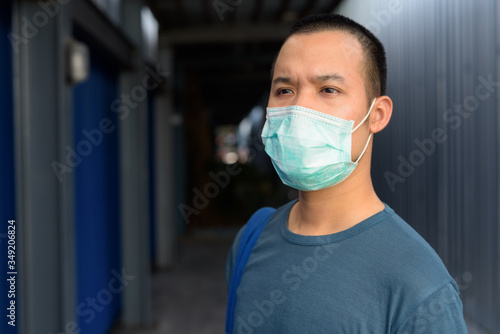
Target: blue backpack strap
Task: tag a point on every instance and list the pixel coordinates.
(248, 239)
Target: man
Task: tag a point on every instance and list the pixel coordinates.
(337, 260)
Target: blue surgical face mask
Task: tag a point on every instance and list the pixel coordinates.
(309, 149)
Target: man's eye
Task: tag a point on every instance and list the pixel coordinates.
(284, 91)
(330, 90)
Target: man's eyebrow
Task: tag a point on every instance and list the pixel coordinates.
(322, 78)
(330, 77)
(285, 80)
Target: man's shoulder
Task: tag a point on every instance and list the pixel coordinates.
(399, 236)
(410, 271)
(406, 256)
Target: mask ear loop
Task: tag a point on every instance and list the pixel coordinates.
(370, 136)
(367, 142)
(368, 114)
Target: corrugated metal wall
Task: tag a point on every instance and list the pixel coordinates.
(437, 163)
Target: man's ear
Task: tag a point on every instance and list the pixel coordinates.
(381, 114)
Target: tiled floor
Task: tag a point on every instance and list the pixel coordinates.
(191, 297)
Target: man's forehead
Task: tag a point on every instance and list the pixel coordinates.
(341, 45)
(340, 40)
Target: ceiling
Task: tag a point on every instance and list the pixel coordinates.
(185, 14)
(228, 46)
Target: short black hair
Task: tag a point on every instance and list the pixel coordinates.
(374, 53)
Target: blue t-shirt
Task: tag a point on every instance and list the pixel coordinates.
(379, 276)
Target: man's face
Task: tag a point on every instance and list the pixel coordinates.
(323, 71)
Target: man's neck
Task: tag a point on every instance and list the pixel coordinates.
(336, 208)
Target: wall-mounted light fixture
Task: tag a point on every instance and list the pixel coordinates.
(77, 61)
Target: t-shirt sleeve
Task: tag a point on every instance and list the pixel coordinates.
(231, 258)
(440, 313)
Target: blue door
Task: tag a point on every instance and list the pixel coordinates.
(97, 198)
(7, 176)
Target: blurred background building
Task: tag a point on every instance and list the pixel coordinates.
(130, 150)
